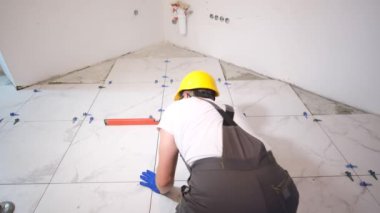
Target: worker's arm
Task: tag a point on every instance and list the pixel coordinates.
(162, 182)
(167, 162)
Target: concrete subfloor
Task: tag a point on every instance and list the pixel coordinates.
(316, 104)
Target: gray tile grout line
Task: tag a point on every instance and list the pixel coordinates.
(299, 115)
(27, 101)
(229, 93)
(74, 136)
(137, 181)
(82, 121)
(329, 176)
(109, 72)
(158, 136)
(154, 168)
(320, 126)
(48, 184)
(336, 147)
(33, 95)
(299, 97)
(344, 157)
(67, 183)
(275, 116)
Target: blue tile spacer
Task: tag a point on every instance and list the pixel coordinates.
(161, 110)
(349, 175)
(365, 184)
(75, 119)
(155, 81)
(305, 114)
(16, 121)
(36, 90)
(167, 61)
(163, 86)
(226, 83)
(372, 173)
(12, 114)
(86, 114)
(91, 119)
(351, 166)
(1, 120)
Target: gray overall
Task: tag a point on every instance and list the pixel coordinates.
(245, 179)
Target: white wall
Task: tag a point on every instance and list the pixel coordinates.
(45, 38)
(330, 47)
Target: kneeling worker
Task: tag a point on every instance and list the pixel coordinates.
(230, 170)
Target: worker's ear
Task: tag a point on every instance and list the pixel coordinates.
(186, 94)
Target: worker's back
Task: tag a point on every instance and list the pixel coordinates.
(196, 127)
(231, 171)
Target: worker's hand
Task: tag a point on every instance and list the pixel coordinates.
(149, 180)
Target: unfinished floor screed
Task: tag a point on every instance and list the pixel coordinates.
(60, 157)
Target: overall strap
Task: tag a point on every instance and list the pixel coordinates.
(227, 121)
(241, 150)
(186, 164)
(228, 115)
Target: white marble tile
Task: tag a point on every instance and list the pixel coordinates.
(334, 195)
(299, 145)
(95, 197)
(25, 197)
(139, 100)
(4, 80)
(137, 70)
(178, 68)
(102, 153)
(95, 74)
(162, 204)
(357, 137)
(266, 98)
(31, 151)
(59, 102)
(11, 100)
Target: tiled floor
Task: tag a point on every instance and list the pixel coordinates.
(56, 159)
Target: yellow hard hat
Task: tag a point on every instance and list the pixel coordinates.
(197, 79)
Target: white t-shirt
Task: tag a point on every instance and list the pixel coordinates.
(197, 128)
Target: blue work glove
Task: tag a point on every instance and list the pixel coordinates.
(149, 180)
